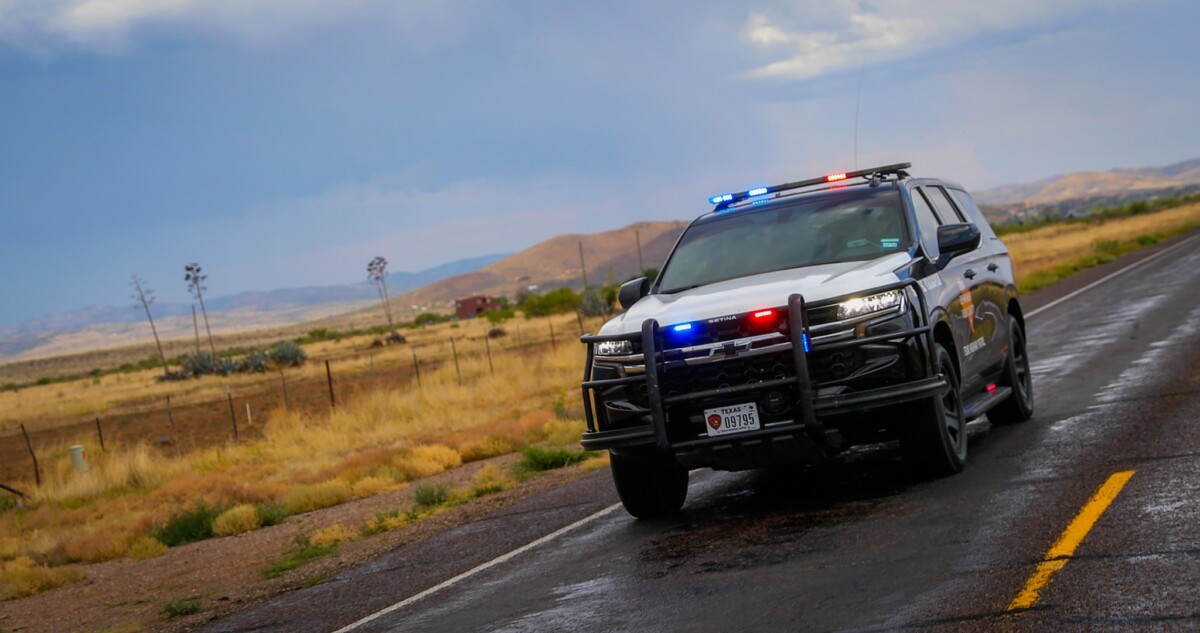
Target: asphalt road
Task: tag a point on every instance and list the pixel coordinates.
(861, 544)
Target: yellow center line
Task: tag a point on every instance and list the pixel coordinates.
(1070, 539)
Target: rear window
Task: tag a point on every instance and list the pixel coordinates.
(851, 225)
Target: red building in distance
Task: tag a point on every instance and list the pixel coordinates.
(470, 307)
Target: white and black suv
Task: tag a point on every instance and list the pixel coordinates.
(795, 321)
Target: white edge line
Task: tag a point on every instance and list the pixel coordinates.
(1111, 275)
(471, 572)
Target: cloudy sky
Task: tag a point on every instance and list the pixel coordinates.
(286, 142)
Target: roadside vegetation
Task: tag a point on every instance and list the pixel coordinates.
(138, 501)
(1049, 253)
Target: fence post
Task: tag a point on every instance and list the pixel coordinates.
(283, 383)
(374, 384)
(37, 472)
(232, 413)
(249, 420)
(171, 420)
(416, 366)
(100, 433)
(579, 317)
(329, 379)
(488, 344)
(550, 320)
(458, 371)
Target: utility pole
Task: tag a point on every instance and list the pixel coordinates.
(583, 266)
(641, 263)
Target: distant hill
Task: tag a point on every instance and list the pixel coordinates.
(554, 263)
(1080, 192)
(115, 325)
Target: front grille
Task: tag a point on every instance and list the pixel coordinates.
(728, 373)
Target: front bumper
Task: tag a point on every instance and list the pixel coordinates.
(661, 421)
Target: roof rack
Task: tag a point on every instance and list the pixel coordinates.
(874, 174)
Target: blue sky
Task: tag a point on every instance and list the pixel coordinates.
(286, 142)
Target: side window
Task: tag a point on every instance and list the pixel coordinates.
(942, 205)
(969, 207)
(927, 223)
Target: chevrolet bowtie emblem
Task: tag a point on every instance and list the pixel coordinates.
(730, 349)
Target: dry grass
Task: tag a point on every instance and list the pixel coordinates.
(1044, 255)
(372, 443)
(56, 404)
(237, 520)
(23, 577)
(332, 535)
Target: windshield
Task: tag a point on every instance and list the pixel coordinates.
(848, 225)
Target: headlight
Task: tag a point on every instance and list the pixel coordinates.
(614, 348)
(867, 305)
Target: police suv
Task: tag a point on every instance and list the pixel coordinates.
(795, 321)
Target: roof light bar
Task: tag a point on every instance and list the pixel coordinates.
(726, 200)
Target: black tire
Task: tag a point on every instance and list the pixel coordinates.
(648, 484)
(1018, 407)
(936, 441)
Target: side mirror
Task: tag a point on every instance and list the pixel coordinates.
(631, 291)
(956, 239)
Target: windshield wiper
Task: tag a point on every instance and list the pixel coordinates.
(680, 289)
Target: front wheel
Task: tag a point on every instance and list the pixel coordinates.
(649, 484)
(1018, 407)
(936, 441)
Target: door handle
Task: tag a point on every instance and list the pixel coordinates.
(993, 266)
(970, 274)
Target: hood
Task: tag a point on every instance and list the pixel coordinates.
(767, 290)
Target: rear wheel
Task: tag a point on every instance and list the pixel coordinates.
(936, 441)
(649, 484)
(1019, 406)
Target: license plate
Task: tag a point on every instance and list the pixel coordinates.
(737, 418)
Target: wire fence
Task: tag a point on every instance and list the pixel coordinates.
(238, 414)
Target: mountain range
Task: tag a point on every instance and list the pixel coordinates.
(609, 256)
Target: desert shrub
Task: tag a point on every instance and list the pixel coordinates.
(200, 364)
(96, 547)
(22, 577)
(553, 302)
(490, 446)
(316, 496)
(287, 353)
(144, 547)
(332, 535)
(237, 520)
(429, 495)
(411, 468)
(490, 479)
(371, 486)
(562, 432)
(255, 361)
(429, 318)
(498, 316)
(534, 459)
(189, 526)
(444, 455)
(592, 304)
(497, 332)
(179, 607)
(395, 338)
(271, 513)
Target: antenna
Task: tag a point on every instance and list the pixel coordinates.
(857, 100)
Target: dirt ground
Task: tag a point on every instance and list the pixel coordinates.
(225, 574)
